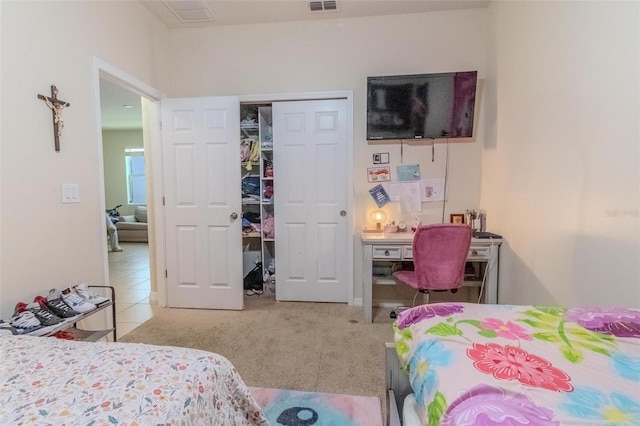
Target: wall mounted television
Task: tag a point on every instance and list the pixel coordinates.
(421, 106)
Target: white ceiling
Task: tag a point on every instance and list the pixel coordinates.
(239, 12)
(115, 116)
(242, 12)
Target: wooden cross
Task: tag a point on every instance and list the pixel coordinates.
(56, 106)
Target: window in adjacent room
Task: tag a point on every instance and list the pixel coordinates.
(136, 179)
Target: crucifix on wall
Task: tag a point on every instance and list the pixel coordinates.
(56, 106)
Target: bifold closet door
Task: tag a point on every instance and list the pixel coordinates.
(202, 202)
(310, 165)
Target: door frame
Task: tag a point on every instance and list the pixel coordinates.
(152, 136)
(312, 96)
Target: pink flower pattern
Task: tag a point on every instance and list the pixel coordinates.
(512, 363)
(507, 330)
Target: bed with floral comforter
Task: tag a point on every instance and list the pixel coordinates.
(49, 381)
(474, 364)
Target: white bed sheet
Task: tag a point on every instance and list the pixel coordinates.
(410, 414)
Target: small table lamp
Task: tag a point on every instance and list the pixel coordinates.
(378, 216)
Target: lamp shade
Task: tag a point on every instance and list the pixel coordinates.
(378, 216)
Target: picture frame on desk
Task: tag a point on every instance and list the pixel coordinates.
(456, 218)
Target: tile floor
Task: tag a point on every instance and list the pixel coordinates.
(129, 275)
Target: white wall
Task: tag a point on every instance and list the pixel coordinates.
(114, 142)
(339, 55)
(45, 243)
(561, 165)
(558, 121)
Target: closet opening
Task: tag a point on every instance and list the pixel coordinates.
(258, 190)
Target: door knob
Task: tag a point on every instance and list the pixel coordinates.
(343, 213)
(233, 216)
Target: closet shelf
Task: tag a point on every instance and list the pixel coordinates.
(253, 163)
(257, 201)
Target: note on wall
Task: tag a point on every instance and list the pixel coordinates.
(392, 190)
(379, 195)
(408, 172)
(378, 174)
(431, 190)
(410, 197)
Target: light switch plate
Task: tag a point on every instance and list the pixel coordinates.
(70, 193)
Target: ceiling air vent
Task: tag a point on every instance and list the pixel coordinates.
(190, 10)
(323, 6)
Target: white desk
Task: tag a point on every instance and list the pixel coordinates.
(398, 247)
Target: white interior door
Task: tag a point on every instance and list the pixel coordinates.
(310, 175)
(202, 201)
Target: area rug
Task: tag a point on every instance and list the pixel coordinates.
(295, 408)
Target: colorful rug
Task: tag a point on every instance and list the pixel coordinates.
(295, 408)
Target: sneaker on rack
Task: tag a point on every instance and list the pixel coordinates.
(20, 307)
(83, 290)
(75, 301)
(44, 315)
(25, 322)
(63, 334)
(5, 327)
(56, 305)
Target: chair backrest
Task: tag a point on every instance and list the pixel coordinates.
(439, 255)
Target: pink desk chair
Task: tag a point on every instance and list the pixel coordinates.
(439, 257)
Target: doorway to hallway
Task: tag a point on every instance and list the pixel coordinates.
(129, 275)
(126, 107)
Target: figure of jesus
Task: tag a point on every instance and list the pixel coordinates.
(57, 113)
(56, 106)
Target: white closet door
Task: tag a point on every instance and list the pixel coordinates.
(310, 192)
(202, 201)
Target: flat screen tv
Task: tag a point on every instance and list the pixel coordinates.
(422, 106)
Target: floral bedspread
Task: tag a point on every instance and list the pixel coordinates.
(474, 364)
(49, 381)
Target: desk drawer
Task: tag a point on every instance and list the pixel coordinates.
(476, 253)
(387, 252)
(407, 252)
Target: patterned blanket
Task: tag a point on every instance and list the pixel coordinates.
(514, 365)
(44, 380)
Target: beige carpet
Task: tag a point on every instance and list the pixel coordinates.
(319, 347)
